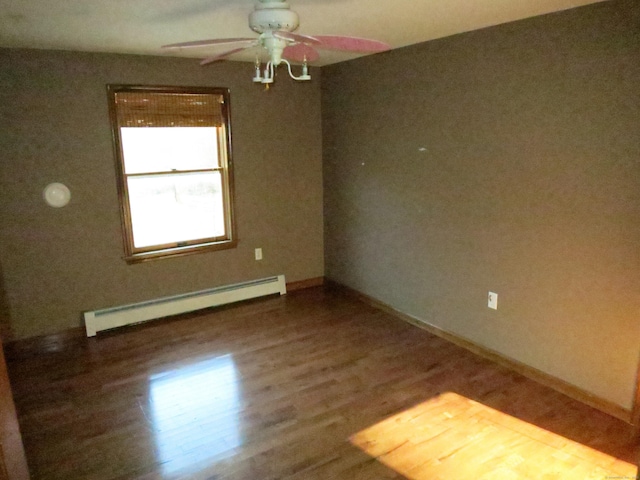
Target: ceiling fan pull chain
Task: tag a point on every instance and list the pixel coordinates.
(258, 74)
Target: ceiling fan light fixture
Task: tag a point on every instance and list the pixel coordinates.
(305, 73)
(269, 73)
(257, 78)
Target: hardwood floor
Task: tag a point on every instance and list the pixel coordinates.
(313, 385)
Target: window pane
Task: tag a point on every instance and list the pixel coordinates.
(176, 207)
(163, 149)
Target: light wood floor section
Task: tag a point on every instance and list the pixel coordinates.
(313, 385)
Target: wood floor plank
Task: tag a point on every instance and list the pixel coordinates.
(312, 385)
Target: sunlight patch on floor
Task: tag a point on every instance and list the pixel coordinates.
(194, 414)
(451, 436)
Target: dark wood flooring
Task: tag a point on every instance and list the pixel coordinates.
(312, 385)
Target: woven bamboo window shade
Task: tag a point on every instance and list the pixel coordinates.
(154, 109)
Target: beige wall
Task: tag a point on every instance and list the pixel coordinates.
(55, 128)
(503, 160)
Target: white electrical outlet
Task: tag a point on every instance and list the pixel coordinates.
(493, 300)
(258, 254)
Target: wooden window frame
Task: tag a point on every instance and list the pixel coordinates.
(139, 254)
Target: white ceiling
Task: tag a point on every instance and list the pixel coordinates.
(142, 26)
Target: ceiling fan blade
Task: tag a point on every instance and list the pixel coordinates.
(351, 44)
(223, 55)
(300, 53)
(295, 37)
(208, 43)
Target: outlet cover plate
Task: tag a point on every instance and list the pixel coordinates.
(493, 300)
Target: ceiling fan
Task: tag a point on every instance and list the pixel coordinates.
(276, 23)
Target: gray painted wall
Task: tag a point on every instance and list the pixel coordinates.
(505, 160)
(57, 263)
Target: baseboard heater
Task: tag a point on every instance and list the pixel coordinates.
(109, 318)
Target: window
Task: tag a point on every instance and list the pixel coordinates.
(173, 159)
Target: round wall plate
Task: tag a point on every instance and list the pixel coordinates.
(56, 194)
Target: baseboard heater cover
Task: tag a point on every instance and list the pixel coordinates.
(108, 318)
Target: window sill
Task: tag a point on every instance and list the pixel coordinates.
(179, 251)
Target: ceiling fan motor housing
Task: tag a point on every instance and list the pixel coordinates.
(273, 15)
